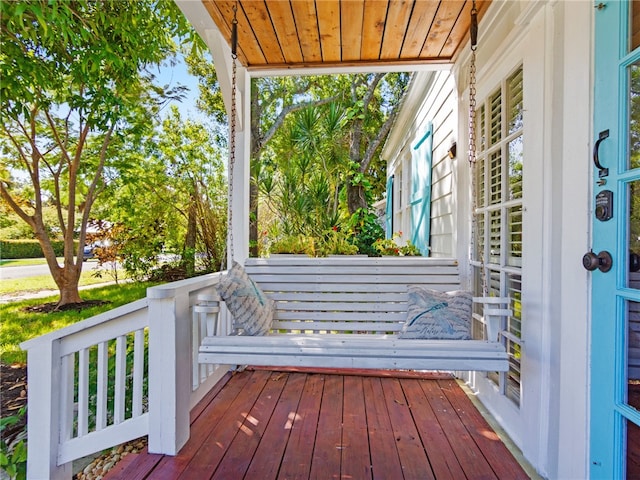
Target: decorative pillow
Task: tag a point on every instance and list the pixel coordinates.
(438, 315)
(252, 311)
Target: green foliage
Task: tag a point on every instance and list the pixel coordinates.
(171, 201)
(337, 242)
(322, 159)
(334, 241)
(27, 248)
(13, 453)
(294, 244)
(367, 230)
(391, 246)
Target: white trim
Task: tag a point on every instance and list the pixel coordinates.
(572, 302)
(353, 69)
(406, 120)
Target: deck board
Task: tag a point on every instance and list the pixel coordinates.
(413, 458)
(171, 467)
(296, 462)
(441, 456)
(327, 449)
(465, 449)
(493, 450)
(238, 458)
(222, 434)
(384, 455)
(301, 424)
(356, 462)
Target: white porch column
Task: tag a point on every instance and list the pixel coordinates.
(242, 169)
(169, 370)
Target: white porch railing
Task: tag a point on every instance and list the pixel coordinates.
(89, 382)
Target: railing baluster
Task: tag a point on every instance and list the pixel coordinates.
(138, 372)
(102, 379)
(121, 366)
(66, 396)
(195, 340)
(202, 331)
(83, 392)
(206, 322)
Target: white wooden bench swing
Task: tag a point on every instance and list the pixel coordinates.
(351, 311)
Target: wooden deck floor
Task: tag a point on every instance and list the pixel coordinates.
(299, 425)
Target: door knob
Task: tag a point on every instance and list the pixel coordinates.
(601, 261)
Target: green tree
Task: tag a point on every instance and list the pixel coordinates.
(335, 148)
(322, 168)
(74, 87)
(173, 201)
(303, 172)
(273, 100)
(194, 166)
(373, 103)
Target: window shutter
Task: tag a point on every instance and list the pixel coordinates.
(389, 209)
(421, 161)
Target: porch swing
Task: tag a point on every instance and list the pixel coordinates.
(351, 312)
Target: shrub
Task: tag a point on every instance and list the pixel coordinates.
(27, 248)
(13, 448)
(337, 242)
(390, 246)
(367, 231)
(300, 244)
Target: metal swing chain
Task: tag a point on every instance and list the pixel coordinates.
(472, 141)
(232, 133)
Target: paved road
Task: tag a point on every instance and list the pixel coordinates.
(11, 273)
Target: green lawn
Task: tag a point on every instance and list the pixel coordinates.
(18, 325)
(45, 282)
(24, 262)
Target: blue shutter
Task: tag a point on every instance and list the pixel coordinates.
(389, 209)
(421, 161)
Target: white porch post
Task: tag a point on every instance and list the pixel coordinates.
(169, 370)
(242, 168)
(43, 415)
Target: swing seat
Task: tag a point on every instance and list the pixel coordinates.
(346, 312)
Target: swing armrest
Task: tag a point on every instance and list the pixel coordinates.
(493, 311)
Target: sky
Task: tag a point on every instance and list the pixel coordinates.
(178, 75)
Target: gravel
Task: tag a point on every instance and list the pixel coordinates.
(98, 468)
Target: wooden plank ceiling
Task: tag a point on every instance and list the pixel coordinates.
(281, 34)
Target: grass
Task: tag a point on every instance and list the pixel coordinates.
(45, 282)
(24, 262)
(18, 325)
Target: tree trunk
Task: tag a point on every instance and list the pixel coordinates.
(67, 277)
(69, 294)
(356, 197)
(189, 252)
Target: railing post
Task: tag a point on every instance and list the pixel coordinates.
(169, 370)
(43, 415)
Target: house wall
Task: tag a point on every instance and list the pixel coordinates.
(431, 99)
(552, 40)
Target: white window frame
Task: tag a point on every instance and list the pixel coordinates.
(498, 273)
(401, 193)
